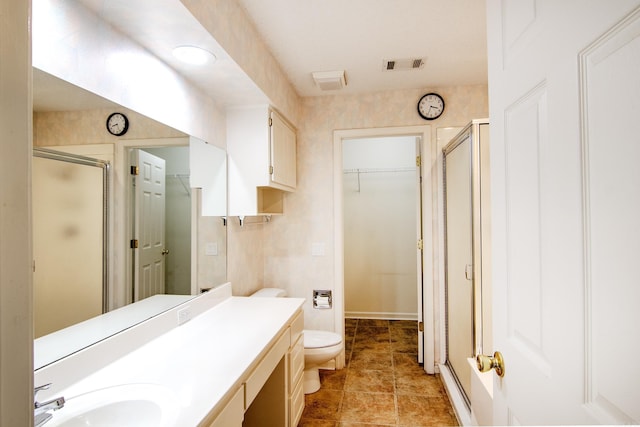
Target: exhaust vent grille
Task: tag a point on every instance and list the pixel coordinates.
(403, 64)
(330, 80)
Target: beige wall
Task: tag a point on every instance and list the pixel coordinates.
(309, 211)
(89, 127)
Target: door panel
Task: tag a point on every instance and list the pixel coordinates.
(150, 226)
(565, 208)
(283, 152)
(612, 207)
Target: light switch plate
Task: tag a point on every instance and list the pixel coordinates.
(211, 249)
(317, 249)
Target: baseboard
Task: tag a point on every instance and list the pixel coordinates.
(380, 315)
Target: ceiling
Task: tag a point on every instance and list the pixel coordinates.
(356, 36)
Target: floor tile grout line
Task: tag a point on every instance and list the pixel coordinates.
(358, 326)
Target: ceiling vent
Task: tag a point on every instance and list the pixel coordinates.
(402, 64)
(329, 80)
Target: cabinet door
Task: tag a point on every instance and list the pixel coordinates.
(282, 152)
(233, 414)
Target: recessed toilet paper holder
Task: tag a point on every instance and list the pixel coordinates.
(322, 299)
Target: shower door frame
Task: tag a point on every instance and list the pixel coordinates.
(473, 133)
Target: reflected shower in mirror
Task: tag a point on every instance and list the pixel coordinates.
(70, 212)
(68, 119)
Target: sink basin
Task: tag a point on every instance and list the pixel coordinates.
(132, 404)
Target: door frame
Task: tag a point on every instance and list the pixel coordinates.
(429, 271)
(123, 256)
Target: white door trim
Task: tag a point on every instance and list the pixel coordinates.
(424, 132)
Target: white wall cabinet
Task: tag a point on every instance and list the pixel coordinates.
(261, 145)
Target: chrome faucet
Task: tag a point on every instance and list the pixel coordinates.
(42, 410)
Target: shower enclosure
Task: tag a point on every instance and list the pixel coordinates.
(70, 212)
(467, 249)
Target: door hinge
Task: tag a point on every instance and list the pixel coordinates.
(421, 326)
(420, 244)
(418, 161)
(270, 170)
(270, 121)
(135, 170)
(134, 244)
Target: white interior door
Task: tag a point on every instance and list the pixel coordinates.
(149, 226)
(564, 92)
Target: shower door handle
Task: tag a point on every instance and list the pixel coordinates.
(487, 363)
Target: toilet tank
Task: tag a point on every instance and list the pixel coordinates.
(270, 293)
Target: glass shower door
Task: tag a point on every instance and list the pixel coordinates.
(459, 258)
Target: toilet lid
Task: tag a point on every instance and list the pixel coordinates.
(320, 339)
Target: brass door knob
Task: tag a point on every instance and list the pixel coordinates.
(487, 363)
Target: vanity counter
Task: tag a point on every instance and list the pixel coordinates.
(204, 361)
(59, 344)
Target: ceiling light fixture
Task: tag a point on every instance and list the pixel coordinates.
(193, 55)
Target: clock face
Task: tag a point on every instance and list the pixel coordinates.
(117, 124)
(431, 106)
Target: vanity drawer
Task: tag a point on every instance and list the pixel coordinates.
(297, 325)
(296, 404)
(263, 371)
(296, 362)
(233, 413)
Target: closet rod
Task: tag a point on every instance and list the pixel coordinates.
(181, 177)
(379, 170)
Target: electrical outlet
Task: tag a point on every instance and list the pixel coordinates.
(184, 315)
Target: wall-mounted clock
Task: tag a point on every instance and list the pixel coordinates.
(430, 106)
(117, 124)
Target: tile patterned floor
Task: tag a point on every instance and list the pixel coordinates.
(382, 383)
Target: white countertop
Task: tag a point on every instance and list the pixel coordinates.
(202, 361)
(56, 345)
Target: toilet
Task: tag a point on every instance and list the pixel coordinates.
(319, 346)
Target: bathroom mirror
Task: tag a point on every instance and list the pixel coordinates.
(72, 120)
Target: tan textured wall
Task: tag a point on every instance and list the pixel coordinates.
(89, 127)
(245, 248)
(309, 211)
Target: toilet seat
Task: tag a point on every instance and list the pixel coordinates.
(320, 339)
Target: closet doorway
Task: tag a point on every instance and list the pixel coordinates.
(381, 225)
(380, 257)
